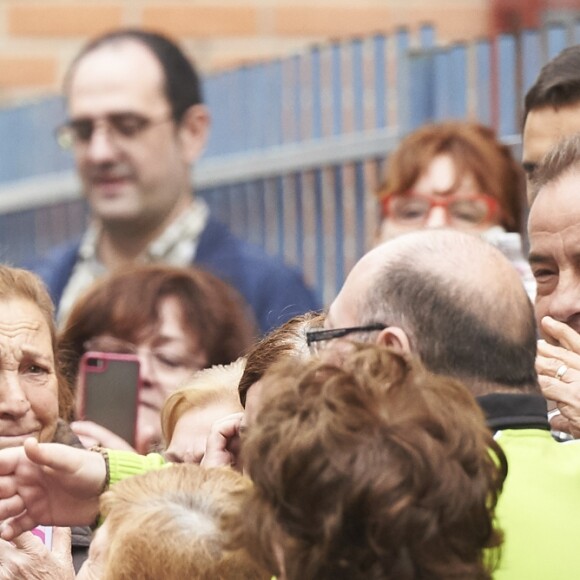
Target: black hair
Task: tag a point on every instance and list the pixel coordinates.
(558, 83)
(182, 85)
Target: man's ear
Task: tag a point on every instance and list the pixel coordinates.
(395, 338)
(193, 132)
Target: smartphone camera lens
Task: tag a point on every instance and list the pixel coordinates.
(96, 363)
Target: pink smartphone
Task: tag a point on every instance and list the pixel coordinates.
(109, 392)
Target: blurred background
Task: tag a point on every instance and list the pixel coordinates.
(39, 38)
(307, 98)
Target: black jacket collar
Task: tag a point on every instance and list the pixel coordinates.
(518, 411)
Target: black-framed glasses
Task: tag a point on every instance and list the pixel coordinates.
(322, 334)
(121, 126)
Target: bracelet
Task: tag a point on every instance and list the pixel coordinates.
(105, 455)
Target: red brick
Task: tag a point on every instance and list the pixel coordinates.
(201, 21)
(27, 72)
(453, 21)
(62, 19)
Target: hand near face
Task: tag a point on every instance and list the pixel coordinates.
(564, 390)
(27, 558)
(49, 484)
(223, 443)
(91, 434)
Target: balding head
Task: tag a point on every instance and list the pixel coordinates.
(459, 301)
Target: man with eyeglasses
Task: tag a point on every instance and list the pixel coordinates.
(136, 125)
(456, 303)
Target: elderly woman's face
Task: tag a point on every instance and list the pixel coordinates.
(436, 201)
(28, 381)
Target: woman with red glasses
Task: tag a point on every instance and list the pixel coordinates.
(456, 175)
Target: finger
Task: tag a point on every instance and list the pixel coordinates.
(228, 426)
(11, 507)
(558, 353)
(61, 541)
(87, 442)
(29, 542)
(558, 391)
(9, 459)
(89, 428)
(7, 486)
(92, 434)
(550, 350)
(563, 334)
(557, 369)
(13, 527)
(53, 455)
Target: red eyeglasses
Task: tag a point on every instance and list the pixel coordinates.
(413, 209)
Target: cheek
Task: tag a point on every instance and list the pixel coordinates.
(44, 400)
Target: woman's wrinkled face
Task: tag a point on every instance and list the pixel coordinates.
(437, 200)
(168, 356)
(28, 381)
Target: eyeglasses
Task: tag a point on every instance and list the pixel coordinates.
(163, 360)
(317, 335)
(414, 209)
(120, 126)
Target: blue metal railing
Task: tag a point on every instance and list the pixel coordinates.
(297, 143)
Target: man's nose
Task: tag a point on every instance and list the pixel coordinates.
(565, 300)
(13, 401)
(437, 218)
(101, 147)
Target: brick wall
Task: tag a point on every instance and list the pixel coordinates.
(38, 38)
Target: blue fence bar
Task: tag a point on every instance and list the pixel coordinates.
(422, 87)
(507, 85)
(557, 39)
(531, 55)
(402, 79)
(358, 85)
(483, 81)
(380, 79)
(457, 94)
(576, 32)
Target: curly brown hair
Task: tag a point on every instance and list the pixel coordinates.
(375, 469)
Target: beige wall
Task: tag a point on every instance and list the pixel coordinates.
(38, 38)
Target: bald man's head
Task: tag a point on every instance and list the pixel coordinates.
(460, 302)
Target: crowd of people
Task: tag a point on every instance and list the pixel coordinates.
(423, 426)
